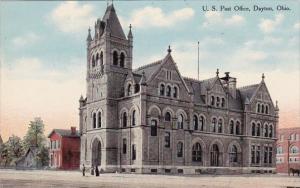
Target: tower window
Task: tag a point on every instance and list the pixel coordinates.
(93, 61)
(214, 125)
(129, 88)
(99, 119)
(202, 123)
(153, 128)
(231, 127)
(124, 146)
(162, 90)
(94, 120)
(195, 122)
(97, 60)
(122, 59)
(124, 119)
(237, 128)
(115, 58)
(133, 157)
(180, 122)
(167, 116)
(220, 126)
(133, 118)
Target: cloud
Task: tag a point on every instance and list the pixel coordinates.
(30, 89)
(217, 18)
(25, 40)
(71, 17)
(155, 17)
(297, 25)
(268, 25)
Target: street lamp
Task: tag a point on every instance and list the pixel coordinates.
(288, 155)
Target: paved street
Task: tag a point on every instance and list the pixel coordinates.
(12, 178)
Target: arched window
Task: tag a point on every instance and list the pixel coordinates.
(195, 122)
(124, 119)
(279, 150)
(270, 131)
(220, 126)
(167, 116)
(115, 58)
(262, 108)
(197, 152)
(153, 127)
(267, 109)
(122, 59)
(218, 101)
(124, 146)
(266, 130)
(99, 119)
(93, 61)
(231, 127)
(253, 129)
(101, 62)
(214, 125)
(258, 108)
(212, 100)
(94, 120)
(162, 90)
(97, 59)
(233, 154)
(238, 128)
(175, 94)
(223, 102)
(180, 122)
(129, 90)
(179, 149)
(168, 91)
(258, 130)
(133, 118)
(294, 149)
(202, 123)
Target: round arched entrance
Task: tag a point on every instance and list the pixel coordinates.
(96, 153)
(215, 156)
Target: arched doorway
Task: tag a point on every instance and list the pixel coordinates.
(215, 156)
(96, 153)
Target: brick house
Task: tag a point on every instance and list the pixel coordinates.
(64, 149)
(291, 137)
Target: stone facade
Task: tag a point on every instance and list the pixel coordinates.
(154, 120)
(288, 146)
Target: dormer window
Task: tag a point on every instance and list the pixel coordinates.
(218, 101)
(258, 108)
(175, 94)
(168, 91)
(212, 100)
(223, 103)
(162, 90)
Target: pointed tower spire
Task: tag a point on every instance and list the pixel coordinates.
(217, 73)
(130, 33)
(263, 77)
(169, 49)
(89, 37)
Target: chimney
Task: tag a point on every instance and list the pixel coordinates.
(73, 130)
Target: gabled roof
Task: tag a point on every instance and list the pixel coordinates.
(148, 69)
(248, 91)
(112, 22)
(64, 133)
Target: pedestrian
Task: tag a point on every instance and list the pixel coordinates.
(83, 170)
(92, 170)
(97, 171)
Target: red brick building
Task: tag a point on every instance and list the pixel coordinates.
(288, 140)
(64, 149)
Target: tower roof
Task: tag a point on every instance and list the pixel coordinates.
(112, 22)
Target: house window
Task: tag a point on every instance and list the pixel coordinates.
(223, 102)
(179, 149)
(133, 156)
(124, 119)
(180, 122)
(233, 154)
(202, 123)
(218, 101)
(99, 119)
(168, 91)
(237, 128)
(115, 58)
(133, 122)
(94, 120)
(153, 127)
(253, 129)
(167, 140)
(294, 149)
(124, 146)
(175, 92)
(58, 144)
(122, 59)
(129, 90)
(197, 152)
(231, 127)
(279, 150)
(195, 122)
(162, 90)
(212, 100)
(167, 116)
(214, 125)
(220, 126)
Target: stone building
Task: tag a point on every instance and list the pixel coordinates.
(154, 120)
(288, 146)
